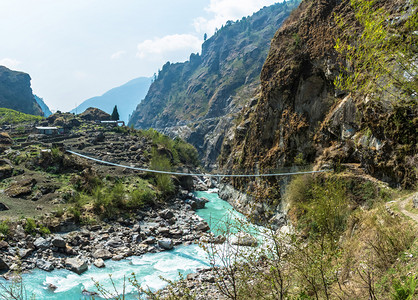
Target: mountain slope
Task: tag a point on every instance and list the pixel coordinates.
(301, 116)
(126, 97)
(16, 93)
(197, 100)
(47, 112)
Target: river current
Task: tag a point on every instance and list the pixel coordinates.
(148, 268)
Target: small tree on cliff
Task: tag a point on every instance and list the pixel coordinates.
(115, 114)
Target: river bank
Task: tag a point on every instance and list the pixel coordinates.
(146, 232)
(147, 261)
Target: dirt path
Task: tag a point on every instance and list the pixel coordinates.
(402, 207)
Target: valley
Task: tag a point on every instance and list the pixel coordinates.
(319, 95)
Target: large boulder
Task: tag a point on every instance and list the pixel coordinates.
(20, 188)
(44, 265)
(41, 243)
(6, 169)
(203, 226)
(114, 242)
(76, 265)
(102, 254)
(201, 202)
(3, 265)
(166, 214)
(4, 245)
(99, 263)
(166, 244)
(23, 253)
(3, 207)
(244, 239)
(59, 242)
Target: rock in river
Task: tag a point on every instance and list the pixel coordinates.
(243, 239)
(76, 265)
(102, 254)
(44, 265)
(166, 244)
(99, 263)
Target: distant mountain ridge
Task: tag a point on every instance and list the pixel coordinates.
(198, 99)
(126, 97)
(16, 92)
(47, 112)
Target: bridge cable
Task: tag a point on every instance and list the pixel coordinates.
(192, 174)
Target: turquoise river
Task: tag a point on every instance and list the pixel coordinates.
(148, 268)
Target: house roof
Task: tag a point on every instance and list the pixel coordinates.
(47, 128)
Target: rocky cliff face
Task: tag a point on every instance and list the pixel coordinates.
(16, 93)
(301, 117)
(198, 100)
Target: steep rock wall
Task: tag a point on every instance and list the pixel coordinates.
(300, 117)
(16, 93)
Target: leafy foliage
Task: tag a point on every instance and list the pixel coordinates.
(4, 228)
(162, 163)
(30, 226)
(405, 290)
(322, 205)
(381, 54)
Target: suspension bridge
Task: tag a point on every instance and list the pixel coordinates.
(192, 174)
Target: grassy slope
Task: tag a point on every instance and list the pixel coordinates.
(10, 116)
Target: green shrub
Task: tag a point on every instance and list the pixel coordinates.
(163, 181)
(44, 230)
(30, 226)
(4, 228)
(99, 200)
(320, 204)
(328, 209)
(381, 55)
(186, 152)
(140, 197)
(121, 129)
(59, 213)
(298, 190)
(76, 212)
(56, 154)
(117, 194)
(108, 201)
(181, 151)
(405, 290)
(299, 161)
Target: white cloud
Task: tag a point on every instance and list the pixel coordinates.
(174, 48)
(224, 10)
(118, 54)
(10, 63)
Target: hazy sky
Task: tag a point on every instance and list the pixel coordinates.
(77, 49)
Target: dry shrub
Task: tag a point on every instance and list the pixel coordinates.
(373, 242)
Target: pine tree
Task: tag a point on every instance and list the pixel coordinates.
(115, 114)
